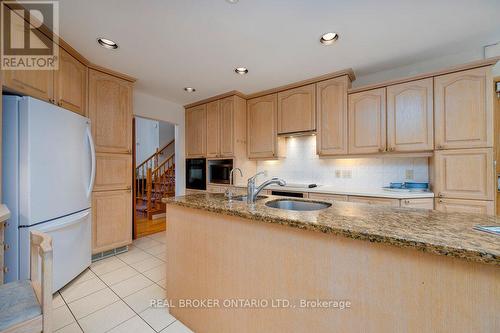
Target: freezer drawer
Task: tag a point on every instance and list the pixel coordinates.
(71, 243)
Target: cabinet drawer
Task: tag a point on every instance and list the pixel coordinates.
(465, 206)
(425, 203)
(375, 201)
(329, 197)
(113, 172)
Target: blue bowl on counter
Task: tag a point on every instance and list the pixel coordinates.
(416, 185)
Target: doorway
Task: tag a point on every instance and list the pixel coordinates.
(154, 173)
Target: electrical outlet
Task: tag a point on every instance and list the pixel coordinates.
(409, 174)
(337, 173)
(346, 173)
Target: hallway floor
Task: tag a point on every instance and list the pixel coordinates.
(114, 294)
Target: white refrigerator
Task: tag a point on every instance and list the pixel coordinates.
(48, 172)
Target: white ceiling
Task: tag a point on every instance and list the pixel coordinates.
(171, 44)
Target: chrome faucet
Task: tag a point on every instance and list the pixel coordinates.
(253, 192)
(229, 190)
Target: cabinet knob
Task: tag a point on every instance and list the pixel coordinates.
(381, 150)
(407, 201)
(440, 200)
(59, 103)
(440, 195)
(52, 101)
(439, 147)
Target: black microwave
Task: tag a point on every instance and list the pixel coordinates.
(219, 171)
(196, 174)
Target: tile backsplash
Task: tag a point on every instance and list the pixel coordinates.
(302, 165)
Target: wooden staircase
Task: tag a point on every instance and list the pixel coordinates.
(154, 180)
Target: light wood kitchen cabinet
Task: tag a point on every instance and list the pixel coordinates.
(464, 174)
(375, 201)
(70, 84)
(463, 109)
(367, 122)
(297, 110)
(38, 84)
(424, 203)
(213, 129)
(262, 139)
(113, 172)
(111, 220)
(465, 206)
(326, 196)
(227, 117)
(110, 110)
(410, 116)
(196, 127)
(331, 102)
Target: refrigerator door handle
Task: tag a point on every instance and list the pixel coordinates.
(76, 218)
(92, 153)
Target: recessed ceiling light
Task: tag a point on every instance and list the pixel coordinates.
(189, 89)
(232, 2)
(329, 38)
(241, 70)
(107, 43)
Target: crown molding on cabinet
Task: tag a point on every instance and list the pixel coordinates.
(349, 72)
(448, 70)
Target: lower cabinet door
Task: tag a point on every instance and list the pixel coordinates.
(375, 201)
(111, 220)
(466, 206)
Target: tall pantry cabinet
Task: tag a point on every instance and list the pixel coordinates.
(464, 174)
(110, 112)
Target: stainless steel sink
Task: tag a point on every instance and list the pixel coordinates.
(297, 205)
(244, 197)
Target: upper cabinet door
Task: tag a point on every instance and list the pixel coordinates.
(261, 115)
(70, 84)
(213, 129)
(110, 110)
(297, 110)
(331, 101)
(410, 116)
(227, 126)
(196, 129)
(35, 83)
(367, 130)
(463, 109)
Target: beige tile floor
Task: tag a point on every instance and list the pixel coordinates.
(114, 294)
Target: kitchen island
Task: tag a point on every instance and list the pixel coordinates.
(350, 267)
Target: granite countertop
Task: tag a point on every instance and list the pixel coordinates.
(431, 231)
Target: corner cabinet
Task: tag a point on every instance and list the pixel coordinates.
(262, 138)
(196, 129)
(110, 109)
(367, 122)
(70, 84)
(464, 109)
(297, 110)
(331, 103)
(410, 116)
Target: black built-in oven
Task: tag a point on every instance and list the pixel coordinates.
(196, 178)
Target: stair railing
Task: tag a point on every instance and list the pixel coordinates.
(141, 171)
(160, 183)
